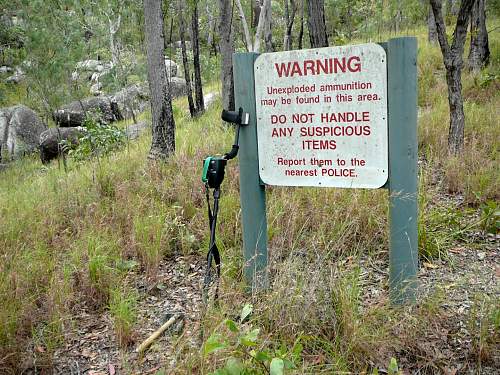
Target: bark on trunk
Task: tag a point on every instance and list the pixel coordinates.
(226, 49)
(457, 117)
(256, 8)
(316, 23)
(263, 27)
(301, 30)
(163, 125)
(431, 23)
(453, 62)
(113, 27)
(185, 62)
(268, 34)
(289, 19)
(479, 53)
(210, 21)
(198, 88)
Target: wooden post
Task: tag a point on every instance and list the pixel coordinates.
(403, 196)
(252, 192)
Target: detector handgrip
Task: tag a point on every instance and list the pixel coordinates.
(234, 117)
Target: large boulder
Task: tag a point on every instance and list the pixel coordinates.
(89, 65)
(178, 44)
(130, 101)
(73, 114)
(178, 87)
(5, 69)
(52, 141)
(171, 67)
(17, 77)
(20, 130)
(91, 70)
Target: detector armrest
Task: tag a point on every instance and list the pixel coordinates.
(239, 118)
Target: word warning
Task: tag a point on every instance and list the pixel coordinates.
(322, 117)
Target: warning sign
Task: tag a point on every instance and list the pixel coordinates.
(322, 117)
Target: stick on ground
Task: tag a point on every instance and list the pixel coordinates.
(146, 343)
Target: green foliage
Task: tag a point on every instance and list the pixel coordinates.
(490, 217)
(393, 368)
(99, 139)
(54, 43)
(11, 37)
(248, 353)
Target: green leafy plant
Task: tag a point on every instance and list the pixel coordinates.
(490, 217)
(248, 353)
(99, 139)
(393, 368)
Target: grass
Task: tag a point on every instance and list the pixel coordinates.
(70, 238)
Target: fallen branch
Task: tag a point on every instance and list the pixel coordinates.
(146, 343)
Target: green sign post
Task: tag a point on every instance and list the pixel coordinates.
(402, 180)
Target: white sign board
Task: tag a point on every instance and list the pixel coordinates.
(322, 117)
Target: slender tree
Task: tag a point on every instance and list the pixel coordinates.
(226, 44)
(185, 62)
(316, 23)
(431, 26)
(453, 62)
(301, 30)
(163, 127)
(268, 33)
(289, 19)
(479, 53)
(253, 44)
(195, 44)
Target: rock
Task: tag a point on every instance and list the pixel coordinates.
(50, 141)
(20, 129)
(172, 68)
(135, 130)
(17, 77)
(74, 113)
(130, 101)
(96, 88)
(88, 65)
(209, 99)
(178, 87)
(178, 44)
(93, 69)
(5, 69)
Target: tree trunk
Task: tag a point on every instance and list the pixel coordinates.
(301, 30)
(453, 62)
(457, 117)
(289, 18)
(163, 125)
(195, 43)
(263, 27)
(479, 53)
(431, 23)
(226, 49)
(256, 8)
(210, 22)
(113, 29)
(316, 23)
(185, 62)
(268, 34)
